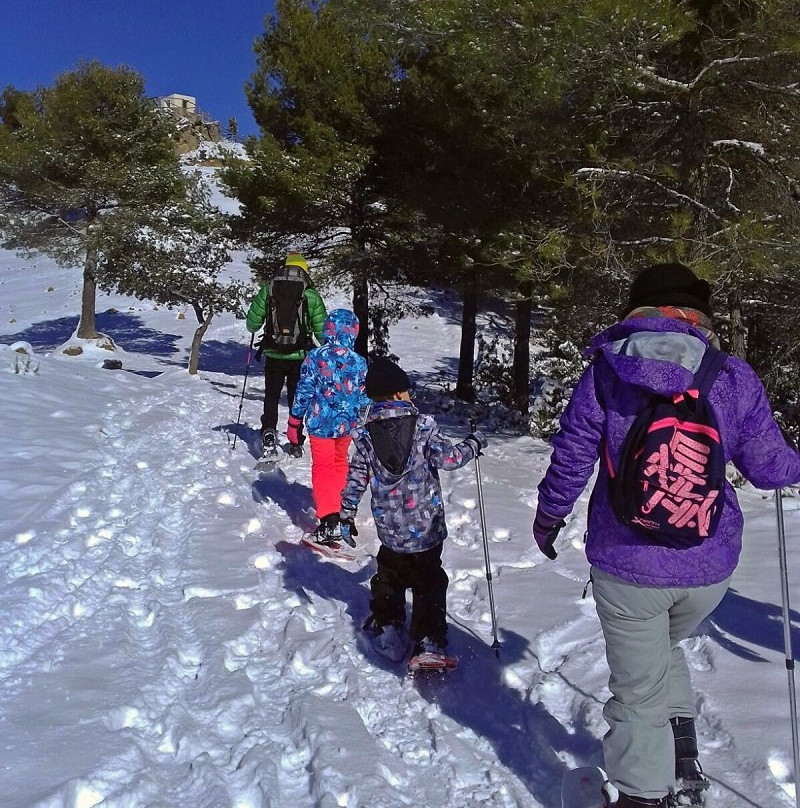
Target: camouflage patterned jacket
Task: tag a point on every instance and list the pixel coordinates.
(398, 454)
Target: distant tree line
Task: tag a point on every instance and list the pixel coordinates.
(526, 152)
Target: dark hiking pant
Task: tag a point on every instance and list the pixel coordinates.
(422, 573)
(278, 372)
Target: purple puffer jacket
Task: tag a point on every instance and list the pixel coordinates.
(623, 383)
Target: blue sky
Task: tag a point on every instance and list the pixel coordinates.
(202, 48)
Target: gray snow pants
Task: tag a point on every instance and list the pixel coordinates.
(649, 680)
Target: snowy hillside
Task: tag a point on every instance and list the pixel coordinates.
(166, 643)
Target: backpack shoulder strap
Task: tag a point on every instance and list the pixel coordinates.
(710, 366)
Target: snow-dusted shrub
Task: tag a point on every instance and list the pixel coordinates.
(493, 370)
(556, 370)
(19, 358)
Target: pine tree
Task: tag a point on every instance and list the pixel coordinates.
(694, 154)
(174, 255)
(77, 160)
(322, 83)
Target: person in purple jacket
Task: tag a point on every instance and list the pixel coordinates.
(650, 596)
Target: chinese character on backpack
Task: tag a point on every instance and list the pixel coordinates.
(286, 327)
(670, 479)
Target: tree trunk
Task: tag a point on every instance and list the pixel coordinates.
(194, 353)
(522, 349)
(361, 309)
(86, 324)
(360, 274)
(738, 332)
(466, 355)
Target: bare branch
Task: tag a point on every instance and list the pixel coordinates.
(684, 86)
(620, 173)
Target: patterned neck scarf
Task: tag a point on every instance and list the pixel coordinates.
(695, 318)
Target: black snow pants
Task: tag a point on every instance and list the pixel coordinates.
(423, 574)
(278, 372)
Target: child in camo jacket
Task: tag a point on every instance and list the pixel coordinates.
(398, 454)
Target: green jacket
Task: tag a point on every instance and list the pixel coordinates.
(257, 314)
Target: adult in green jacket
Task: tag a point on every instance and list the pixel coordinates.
(283, 368)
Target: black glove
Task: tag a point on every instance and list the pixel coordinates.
(349, 531)
(545, 530)
(478, 441)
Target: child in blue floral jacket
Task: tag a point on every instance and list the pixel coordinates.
(330, 396)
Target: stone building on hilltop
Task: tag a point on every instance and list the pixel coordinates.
(191, 124)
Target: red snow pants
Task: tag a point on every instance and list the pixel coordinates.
(328, 473)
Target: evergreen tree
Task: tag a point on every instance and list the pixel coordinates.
(78, 159)
(174, 255)
(695, 153)
(479, 149)
(322, 84)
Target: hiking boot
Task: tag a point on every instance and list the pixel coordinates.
(388, 639)
(295, 450)
(430, 645)
(269, 441)
(327, 531)
(690, 783)
(269, 451)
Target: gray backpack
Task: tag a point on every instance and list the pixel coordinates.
(286, 327)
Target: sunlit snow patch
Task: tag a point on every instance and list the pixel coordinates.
(190, 592)
(262, 562)
(86, 796)
(244, 601)
(779, 769)
(782, 772)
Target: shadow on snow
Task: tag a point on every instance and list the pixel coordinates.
(526, 738)
(753, 622)
(126, 330)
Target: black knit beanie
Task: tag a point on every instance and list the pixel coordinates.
(670, 284)
(385, 378)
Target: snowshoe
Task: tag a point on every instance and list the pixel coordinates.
(333, 551)
(430, 655)
(268, 462)
(326, 540)
(270, 456)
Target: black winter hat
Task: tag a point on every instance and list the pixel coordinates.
(670, 284)
(385, 378)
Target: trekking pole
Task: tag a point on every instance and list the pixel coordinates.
(787, 641)
(495, 643)
(244, 387)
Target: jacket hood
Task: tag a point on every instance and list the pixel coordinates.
(658, 354)
(341, 328)
(392, 426)
(381, 410)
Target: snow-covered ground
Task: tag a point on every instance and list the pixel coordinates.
(166, 643)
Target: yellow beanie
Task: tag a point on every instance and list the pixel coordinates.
(294, 259)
